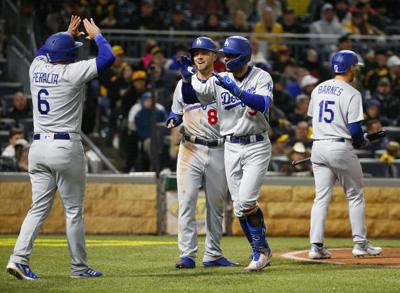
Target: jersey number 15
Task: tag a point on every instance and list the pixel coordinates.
(325, 112)
(43, 105)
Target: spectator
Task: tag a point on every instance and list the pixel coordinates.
(392, 153)
(21, 108)
(374, 126)
(314, 66)
(148, 18)
(327, 25)
(246, 6)
(15, 136)
(297, 152)
(126, 12)
(372, 111)
(282, 99)
(275, 5)
(279, 144)
(389, 103)
(290, 24)
(300, 113)
(19, 161)
(206, 7)
(342, 11)
(148, 57)
(301, 134)
(140, 120)
(178, 21)
(211, 23)
(393, 65)
(105, 14)
(239, 23)
(308, 83)
(360, 25)
(282, 58)
(376, 70)
(268, 24)
(133, 94)
(257, 57)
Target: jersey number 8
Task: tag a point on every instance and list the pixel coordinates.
(325, 112)
(212, 116)
(43, 105)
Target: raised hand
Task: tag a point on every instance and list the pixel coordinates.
(228, 84)
(91, 28)
(74, 25)
(186, 68)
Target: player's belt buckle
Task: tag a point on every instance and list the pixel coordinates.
(246, 139)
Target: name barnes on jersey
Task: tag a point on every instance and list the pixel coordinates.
(43, 77)
(330, 90)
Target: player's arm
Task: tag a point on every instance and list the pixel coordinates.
(105, 57)
(259, 102)
(355, 117)
(175, 117)
(194, 90)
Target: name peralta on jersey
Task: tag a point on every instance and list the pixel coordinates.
(333, 105)
(198, 120)
(58, 91)
(235, 117)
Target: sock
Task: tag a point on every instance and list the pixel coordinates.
(257, 229)
(243, 224)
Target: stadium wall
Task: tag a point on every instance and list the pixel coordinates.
(128, 205)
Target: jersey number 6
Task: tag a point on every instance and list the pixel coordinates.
(325, 112)
(43, 105)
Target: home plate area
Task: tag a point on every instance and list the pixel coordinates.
(389, 257)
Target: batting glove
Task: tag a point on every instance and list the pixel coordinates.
(228, 84)
(186, 68)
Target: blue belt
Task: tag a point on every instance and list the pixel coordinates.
(245, 139)
(62, 136)
(340, 139)
(209, 143)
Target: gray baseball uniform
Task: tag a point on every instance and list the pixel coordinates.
(200, 166)
(334, 104)
(245, 163)
(56, 157)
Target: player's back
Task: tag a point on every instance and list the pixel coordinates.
(333, 105)
(58, 92)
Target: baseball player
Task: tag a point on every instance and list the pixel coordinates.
(242, 96)
(337, 114)
(200, 163)
(56, 156)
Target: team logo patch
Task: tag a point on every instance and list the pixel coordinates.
(226, 44)
(198, 42)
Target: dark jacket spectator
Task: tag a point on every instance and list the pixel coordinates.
(21, 107)
(148, 18)
(239, 23)
(211, 23)
(300, 113)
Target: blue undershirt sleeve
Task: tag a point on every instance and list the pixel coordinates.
(178, 119)
(105, 57)
(257, 102)
(356, 132)
(189, 94)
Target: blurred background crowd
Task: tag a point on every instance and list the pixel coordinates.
(126, 107)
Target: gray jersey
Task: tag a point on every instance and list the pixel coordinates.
(58, 92)
(236, 118)
(334, 104)
(198, 120)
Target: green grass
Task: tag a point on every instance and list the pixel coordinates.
(151, 269)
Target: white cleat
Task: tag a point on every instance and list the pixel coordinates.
(259, 261)
(365, 249)
(319, 253)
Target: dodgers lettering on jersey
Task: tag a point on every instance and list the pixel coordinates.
(58, 91)
(236, 118)
(333, 105)
(198, 120)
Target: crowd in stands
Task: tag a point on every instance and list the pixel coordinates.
(133, 96)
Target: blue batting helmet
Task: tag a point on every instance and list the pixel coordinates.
(61, 47)
(203, 43)
(237, 45)
(343, 60)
